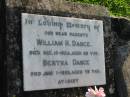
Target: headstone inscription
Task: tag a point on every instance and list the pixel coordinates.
(62, 52)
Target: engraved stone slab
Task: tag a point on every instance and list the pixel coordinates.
(62, 52)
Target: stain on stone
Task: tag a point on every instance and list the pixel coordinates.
(122, 27)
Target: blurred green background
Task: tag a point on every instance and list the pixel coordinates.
(116, 7)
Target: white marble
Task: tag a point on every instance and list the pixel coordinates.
(62, 52)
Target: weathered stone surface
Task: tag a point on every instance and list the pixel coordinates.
(122, 27)
(14, 55)
(60, 8)
(123, 62)
(60, 5)
(121, 70)
(121, 52)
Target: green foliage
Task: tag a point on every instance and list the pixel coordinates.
(116, 7)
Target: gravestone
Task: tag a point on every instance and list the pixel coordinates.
(61, 52)
(17, 49)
